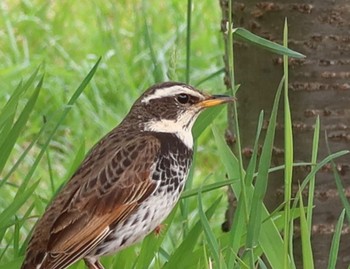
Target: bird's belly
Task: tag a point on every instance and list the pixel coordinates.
(145, 219)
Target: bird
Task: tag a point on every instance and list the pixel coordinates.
(127, 184)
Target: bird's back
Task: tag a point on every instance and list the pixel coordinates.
(95, 161)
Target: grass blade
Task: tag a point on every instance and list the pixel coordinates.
(312, 179)
(21, 198)
(229, 160)
(318, 166)
(288, 154)
(235, 236)
(255, 216)
(333, 254)
(206, 188)
(308, 261)
(252, 162)
(266, 44)
(205, 119)
(270, 239)
(182, 256)
(9, 109)
(15, 263)
(188, 41)
(239, 219)
(67, 108)
(157, 74)
(210, 76)
(23, 155)
(211, 240)
(341, 191)
(10, 141)
(338, 183)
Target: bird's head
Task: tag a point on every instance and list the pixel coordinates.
(173, 107)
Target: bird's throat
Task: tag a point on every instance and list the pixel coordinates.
(183, 130)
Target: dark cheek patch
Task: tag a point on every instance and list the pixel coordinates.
(163, 109)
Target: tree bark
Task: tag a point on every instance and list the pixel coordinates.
(318, 84)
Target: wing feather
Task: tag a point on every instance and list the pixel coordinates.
(107, 197)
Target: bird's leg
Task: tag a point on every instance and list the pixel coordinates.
(93, 263)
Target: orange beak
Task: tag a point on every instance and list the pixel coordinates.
(215, 100)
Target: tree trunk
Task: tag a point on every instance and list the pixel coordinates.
(319, 85)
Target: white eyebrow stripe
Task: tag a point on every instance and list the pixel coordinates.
(171, 91)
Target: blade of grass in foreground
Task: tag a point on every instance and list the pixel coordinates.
(22, 194)
(308, 260)
(333, 254)
(15, 263)
(205, 119)
(235, 237)
(210, 76)
(13, 241)
(311, 190)
(157, 74)
(255, 216)
(188, 41)
(239, 218)
(252, 162)
(22, 156)
(229, 161)
(338, 183)
(201, 124)
(341, 193)
(270, 239)
(182, 256)
(67, 108)
(206, 188)
(10, 140)
(318, 166)
(211, 240)
(23, 191)
(232, 112)
(266, 44)
(21, 198)
(231, 165)
(10, 107)
(288, 154)
(25, 217)
(7, 114)
(312, 179)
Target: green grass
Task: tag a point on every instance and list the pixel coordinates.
(58, 98)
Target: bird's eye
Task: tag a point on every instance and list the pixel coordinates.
(183, 98)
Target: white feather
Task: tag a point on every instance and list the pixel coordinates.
(182, 127)
(171, 91)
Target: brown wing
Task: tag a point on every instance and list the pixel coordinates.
(105, 198)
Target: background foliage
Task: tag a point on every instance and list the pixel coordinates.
(58, 99)
(139, 42)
